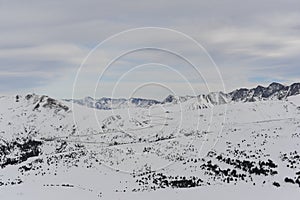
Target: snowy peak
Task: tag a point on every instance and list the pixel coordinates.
(38, 102)
(170, 99)
(275, 86)
(294, 89)
(176, 99)
(275, 91)
(218, 98)
(139, 102)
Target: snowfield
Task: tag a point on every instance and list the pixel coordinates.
(295, 99)
(53, 149)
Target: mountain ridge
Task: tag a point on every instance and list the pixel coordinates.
(274, 91)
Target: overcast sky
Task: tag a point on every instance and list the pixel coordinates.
(238, 43)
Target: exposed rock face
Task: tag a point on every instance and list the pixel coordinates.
(44, 101)
(272, 92)
(294, 89)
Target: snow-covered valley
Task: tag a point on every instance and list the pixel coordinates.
(55, 149)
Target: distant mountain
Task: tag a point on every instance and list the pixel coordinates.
(176, 99)
(110, 103)
(275, 91)
(42, 101)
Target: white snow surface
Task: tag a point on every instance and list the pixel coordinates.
(295, 99)
(171, 151)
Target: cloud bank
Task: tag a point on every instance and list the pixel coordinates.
(44, 43)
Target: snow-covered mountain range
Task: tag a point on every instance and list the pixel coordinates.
(275, 91)
(110, 103)
(244, 144)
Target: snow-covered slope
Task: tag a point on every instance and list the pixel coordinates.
(53, 149)
(295, 99)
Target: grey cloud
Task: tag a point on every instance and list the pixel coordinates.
(245, 38)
